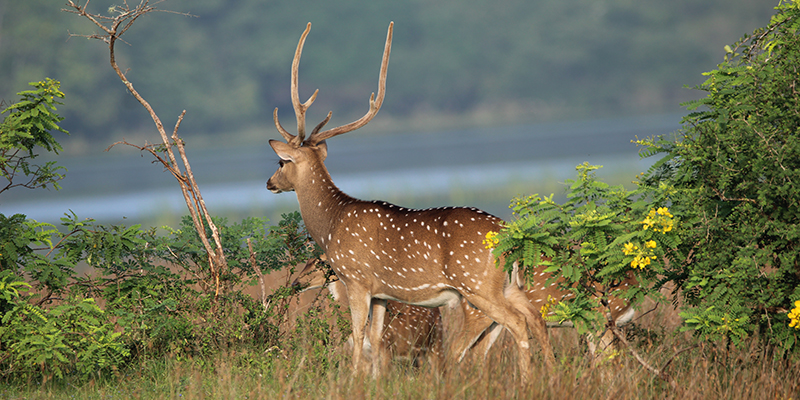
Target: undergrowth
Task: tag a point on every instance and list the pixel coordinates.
(706, 371)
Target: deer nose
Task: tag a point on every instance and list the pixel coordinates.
(272, 188)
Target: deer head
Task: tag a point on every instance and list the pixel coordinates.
(383, 252)
(302, 151)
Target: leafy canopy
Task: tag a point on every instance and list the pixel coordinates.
(27, 126)
(734, 170)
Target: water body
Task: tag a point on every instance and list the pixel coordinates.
(123, 183)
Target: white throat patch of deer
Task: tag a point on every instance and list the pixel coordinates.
(384, 252)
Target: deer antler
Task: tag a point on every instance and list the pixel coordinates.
(300, 108)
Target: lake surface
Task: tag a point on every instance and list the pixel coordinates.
(418, 167)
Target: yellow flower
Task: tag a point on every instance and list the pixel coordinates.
(794, 316)
(551, 301)
(629, 248)
(641, 261)
(491, 240)
(659, 219)
(651, 244)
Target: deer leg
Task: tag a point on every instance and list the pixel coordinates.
(476, 325)
(536, 324)
(376, 334)
(487, 340)
(504, 313)
(359, 313)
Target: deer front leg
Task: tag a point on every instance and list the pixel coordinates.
(376, 334)
(359, 314)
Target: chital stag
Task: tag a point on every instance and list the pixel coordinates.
(410, 332)
(384, 252)
(479, 332)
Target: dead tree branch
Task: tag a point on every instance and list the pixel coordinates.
(661, 373)
(115, 25)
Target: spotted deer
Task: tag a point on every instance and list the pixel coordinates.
(383, 252)
(411, 332)
(479, 332)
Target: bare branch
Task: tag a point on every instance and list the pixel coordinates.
(114, 27)
(661, 373)
(257, 269)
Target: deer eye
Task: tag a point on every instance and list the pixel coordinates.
(282, 162)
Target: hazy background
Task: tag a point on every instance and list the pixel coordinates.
(485, 99)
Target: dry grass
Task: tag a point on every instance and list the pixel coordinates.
(704, 372)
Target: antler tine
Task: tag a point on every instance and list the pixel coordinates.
(299, 108)
(321, 124)
(374, 102)
(286, 135)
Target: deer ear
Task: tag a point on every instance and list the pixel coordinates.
(323, 150)
(283, 150)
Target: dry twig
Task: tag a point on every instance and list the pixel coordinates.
(114, 26)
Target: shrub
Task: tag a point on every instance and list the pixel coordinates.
(733, 173)
(599, 237)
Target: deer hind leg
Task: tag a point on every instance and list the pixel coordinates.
(476, 326)
(376, 334)
(504, 313)
(536, 324)
(607, 339)
(488, 340)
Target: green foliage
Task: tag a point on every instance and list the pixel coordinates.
(273, 247)
(155, 302)
(10, 287)
(733, 173)
(26, 127)
(49, 256)
(601, 236)
(73, 338)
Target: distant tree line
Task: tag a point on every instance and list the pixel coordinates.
(513, 62)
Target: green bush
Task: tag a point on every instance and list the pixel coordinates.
(148, 295)
(72, 338)
(733, 173)
(594, 241)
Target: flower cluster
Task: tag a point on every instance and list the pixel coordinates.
(551, 301)
(794, 316)
(659, 219)
(491, 240)
(642, 257)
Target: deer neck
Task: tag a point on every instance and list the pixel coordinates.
(320, 202)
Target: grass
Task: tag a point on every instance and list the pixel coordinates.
(308, 372)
